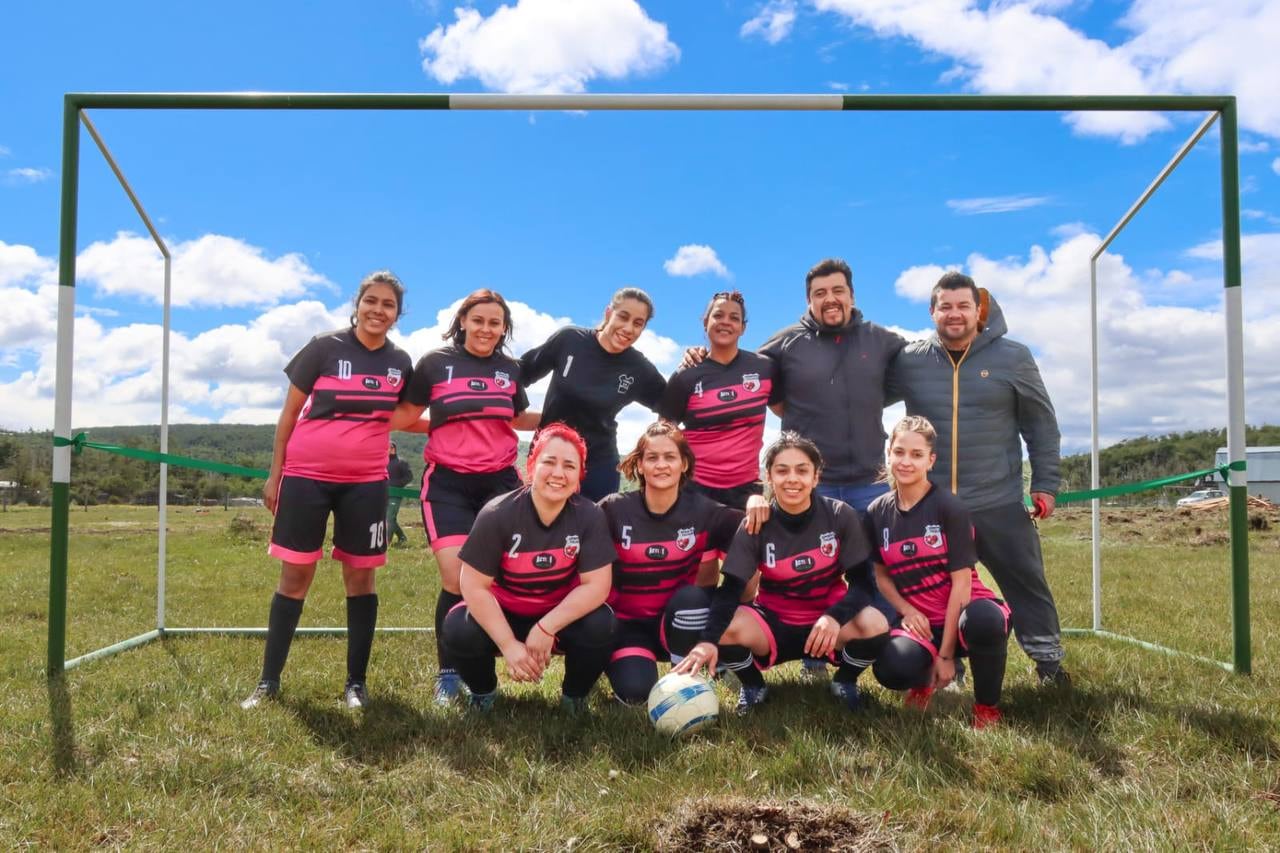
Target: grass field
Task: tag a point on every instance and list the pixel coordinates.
(148, 749)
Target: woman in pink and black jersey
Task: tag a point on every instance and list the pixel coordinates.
(925, 568)
(813, 600)
(721, 402)
(477, 400)
(535, 576)
(330, 456)
(668, 540)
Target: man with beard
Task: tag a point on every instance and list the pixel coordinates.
(984, 395)
(831, 369)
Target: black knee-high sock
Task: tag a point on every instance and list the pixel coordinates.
(362, 618)
(282, 621)
(857, 655)
(740, 661)
(444, 603)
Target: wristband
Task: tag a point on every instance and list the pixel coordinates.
(538, 625)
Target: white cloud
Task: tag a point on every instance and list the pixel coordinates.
(4, 151)
(1187, 46)
(773, 22)
(1275, 165)
(20, 263)
(837, 86)
(1162, 365)
(995, 204)
(695, 259)
(548, 46)
(1254, 146)
(27, 175)
(212, 270)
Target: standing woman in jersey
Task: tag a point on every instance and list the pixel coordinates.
(477, 400)
(721, 401)
(925, 568)
(813, 600)
(535, 576)
(594, 374)
(330, 456)
(667, 540)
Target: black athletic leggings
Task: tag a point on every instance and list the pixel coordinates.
(984, 631)
(586, 645)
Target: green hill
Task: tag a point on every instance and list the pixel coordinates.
(1147, 458)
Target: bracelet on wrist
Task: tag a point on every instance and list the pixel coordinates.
(945, 657)
(538, 625)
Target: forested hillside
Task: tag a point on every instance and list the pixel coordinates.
(1148, 458)
(101, 477)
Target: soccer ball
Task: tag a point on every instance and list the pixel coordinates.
(679, 704)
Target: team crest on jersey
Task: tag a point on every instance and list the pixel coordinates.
(827, 544)
(685, 537)
(571, 546)
(625, 382)
(501, 379)
(933, 535)
(751, 381)
(393, 376)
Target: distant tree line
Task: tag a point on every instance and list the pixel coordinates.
(1148, 458)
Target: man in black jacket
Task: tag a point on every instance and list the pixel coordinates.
(831, 369)
(398, 474)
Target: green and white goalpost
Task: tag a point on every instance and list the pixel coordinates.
(1221, 108)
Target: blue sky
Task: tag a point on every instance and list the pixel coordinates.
(274, 217)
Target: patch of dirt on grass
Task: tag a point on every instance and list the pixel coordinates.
(739, 824)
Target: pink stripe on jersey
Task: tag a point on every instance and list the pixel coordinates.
(921, 576)
(342, 434)
(727, 457)
(473, 446)
(799, 597)
(531, 584)
(647, 574)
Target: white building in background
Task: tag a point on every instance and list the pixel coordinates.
(1262, 467)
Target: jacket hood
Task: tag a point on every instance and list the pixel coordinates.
(807, 320)
(995, 327)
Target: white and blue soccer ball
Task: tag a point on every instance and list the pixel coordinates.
(679, 704)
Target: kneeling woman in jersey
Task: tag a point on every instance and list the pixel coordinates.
(330, 456)
(810, 556)
(535, 576)
(477, 400)
(668, 539)
(924, 567)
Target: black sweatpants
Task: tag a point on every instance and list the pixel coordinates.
(1009, 546)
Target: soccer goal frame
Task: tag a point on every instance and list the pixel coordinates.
(1221, 108)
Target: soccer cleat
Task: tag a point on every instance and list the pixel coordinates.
(985, 716)
(749, 697)
(815, 669)
(847, 693)
(918, 698)
(573, 706)
(354, 696)
(448, 687)
(265, 691)
(1052, 675)
(482, 703)
(957, 683)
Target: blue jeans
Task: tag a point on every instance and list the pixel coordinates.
(860, 497)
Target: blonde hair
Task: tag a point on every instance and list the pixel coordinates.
(911, 423)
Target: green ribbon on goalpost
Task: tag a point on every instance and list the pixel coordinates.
(80, 441)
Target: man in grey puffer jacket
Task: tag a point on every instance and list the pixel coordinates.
(984, 395)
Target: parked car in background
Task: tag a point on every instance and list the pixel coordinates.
(1201, 495)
